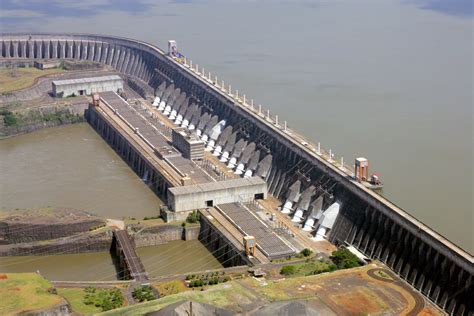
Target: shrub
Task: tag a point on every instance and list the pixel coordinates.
(143, 293)
(288, 270)
(105, 299)
(344, 259)
(193, 217)
(9, 118)
(306, 252)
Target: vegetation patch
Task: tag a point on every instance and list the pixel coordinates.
(143, 293)
(26, 292)
(170, 288)
(75, 297)
(105, 299)
(310, 267)
(344, 259)
(13, 78)
(193, 217)
(213, 278)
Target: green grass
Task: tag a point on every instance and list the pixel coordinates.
(75, 297)
(25, 292)
(21, 78)
(227, 295)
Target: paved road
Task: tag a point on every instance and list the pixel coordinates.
(419, 301)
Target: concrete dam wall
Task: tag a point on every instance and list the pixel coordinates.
(432, 264)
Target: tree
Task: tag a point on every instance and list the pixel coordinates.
(344, 259)
(306, 252)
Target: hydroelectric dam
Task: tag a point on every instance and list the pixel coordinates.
(201, 145)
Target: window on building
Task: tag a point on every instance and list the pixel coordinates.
(210, 203)
(259, 196)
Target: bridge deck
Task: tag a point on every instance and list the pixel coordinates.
(133, 261)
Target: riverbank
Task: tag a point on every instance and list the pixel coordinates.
(14, 123)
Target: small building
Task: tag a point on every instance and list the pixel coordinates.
(188, 143)
(86, 86)
(198, 196)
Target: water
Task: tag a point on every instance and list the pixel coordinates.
(389, 80)
(175, 257)
(71, 167)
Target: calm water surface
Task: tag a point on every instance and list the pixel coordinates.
(175, 257)
(389, 80)
(71, 167)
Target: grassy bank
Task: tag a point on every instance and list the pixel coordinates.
(12, 79)
(25, 292)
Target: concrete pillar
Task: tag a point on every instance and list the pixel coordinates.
(319, 148)
(23, 49)
(237, 94)
(276, 119)
(31, 46)
(245, 101)
(268, 115)
(284, 126)
(15, 49)
(55, 50)
(251, 104)
(259, 109)
(230, 89)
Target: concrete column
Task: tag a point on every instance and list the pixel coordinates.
(46, 52)
(40, 49)
(116, 58)
(31, 49)
(55, 50)
(15, 49)
(62, 54)
(110, 54)
(105, 51)
(130, 63)
(92, 51)
(24, 45)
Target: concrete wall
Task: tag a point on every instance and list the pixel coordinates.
(65, 90)
(195, 197)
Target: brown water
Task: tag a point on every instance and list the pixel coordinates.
(172, 258)
(71, 167)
